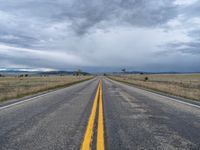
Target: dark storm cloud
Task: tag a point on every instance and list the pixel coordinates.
(190, 24)
(84, 15)
(87, 14)
(17, 40)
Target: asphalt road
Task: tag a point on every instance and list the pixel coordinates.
(132, 119)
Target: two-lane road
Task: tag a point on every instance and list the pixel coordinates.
(128, 117)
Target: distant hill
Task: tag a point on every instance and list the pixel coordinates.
(142, 72)
(62, 73)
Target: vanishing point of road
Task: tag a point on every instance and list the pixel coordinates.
(99, 114)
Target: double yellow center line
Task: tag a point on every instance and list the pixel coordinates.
(87, 141)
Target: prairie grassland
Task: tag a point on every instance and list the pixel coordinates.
(15, 87)
(183, 85)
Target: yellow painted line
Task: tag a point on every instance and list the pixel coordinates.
(100, 129)
(86, 145)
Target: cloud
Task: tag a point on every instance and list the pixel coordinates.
(89, 14)
(98, 33)
(38, 58)
(83, 15)
(185, 47)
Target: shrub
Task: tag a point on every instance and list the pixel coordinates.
(146, 79)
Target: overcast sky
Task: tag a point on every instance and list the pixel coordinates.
(100, 35)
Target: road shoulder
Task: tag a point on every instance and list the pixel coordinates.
(181, 99)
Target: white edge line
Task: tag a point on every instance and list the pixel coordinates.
(26, 100)
(173, 99)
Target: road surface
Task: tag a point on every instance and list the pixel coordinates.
(99, 114)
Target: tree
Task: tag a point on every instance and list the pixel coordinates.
(124, 70)
(21, 75)
(78, 72)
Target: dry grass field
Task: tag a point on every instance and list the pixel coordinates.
(15, 87)
(184, 85)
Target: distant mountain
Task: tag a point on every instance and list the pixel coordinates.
(20, 71)
(15, 72)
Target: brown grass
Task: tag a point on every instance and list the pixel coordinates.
(15, 87)
(184, 85)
